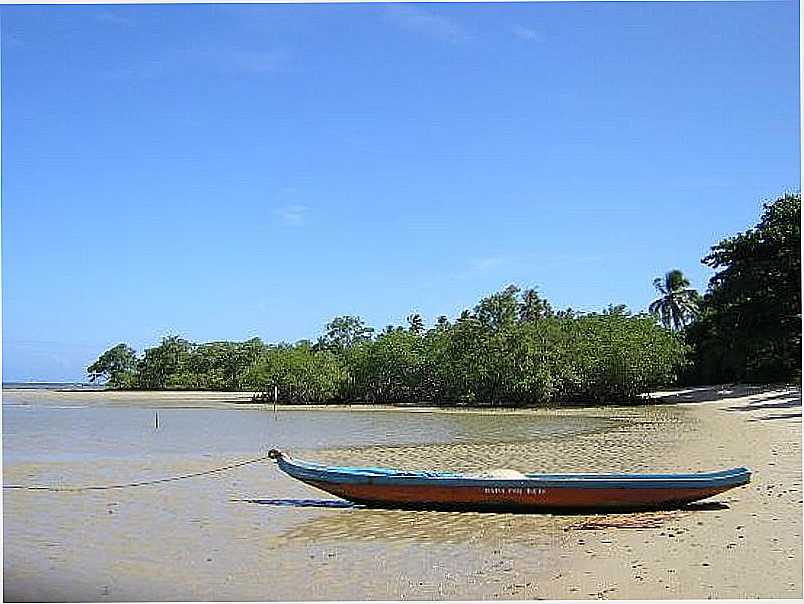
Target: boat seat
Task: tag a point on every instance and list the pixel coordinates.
(498, 473)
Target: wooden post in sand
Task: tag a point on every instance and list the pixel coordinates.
(156, 420)
(276, 397)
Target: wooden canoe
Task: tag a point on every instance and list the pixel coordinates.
(385, 487)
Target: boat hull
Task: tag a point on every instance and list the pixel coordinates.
(383, 487)
(515, 498)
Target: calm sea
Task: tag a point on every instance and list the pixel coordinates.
(79, 431)
(51, 386)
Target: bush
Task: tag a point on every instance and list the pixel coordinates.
(506, 352)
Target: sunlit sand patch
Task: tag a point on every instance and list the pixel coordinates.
(636, 520)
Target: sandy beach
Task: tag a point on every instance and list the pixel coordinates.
(255, 534)
(746, 545)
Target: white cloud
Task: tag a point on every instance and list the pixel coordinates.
(293, 214)
(525, 33)
(227, 60)
(481, 265)
(114, 18)
(421, 21)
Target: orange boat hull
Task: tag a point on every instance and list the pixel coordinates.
(387, 487)
(515, 497)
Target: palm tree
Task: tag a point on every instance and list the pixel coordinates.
(415, 323)
(678, 304)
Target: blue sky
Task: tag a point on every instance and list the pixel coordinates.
(223, 172)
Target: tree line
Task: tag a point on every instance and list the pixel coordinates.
(513, 348)
(747, 326)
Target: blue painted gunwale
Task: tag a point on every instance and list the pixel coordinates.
(304, 470)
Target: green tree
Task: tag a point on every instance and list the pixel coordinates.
(614, 356)
(344, 332)
(465, 315)
(499, 310)
(390, 368)
(240, 358)
(678, 304)
(508, 351)
(222, 365)
(300, 373)
(167, 365)
(116, 366)
(616, 309)
(750, 327)
(415, 323)
(533, 307)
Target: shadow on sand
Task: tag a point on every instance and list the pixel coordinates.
(372, 525)
(303, 503)
(769, 398)
(700, 506)
(776, 416)
(788, 399)
(704, 506)
(705, 394)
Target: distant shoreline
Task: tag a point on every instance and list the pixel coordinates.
(102, 397)
(52, 386)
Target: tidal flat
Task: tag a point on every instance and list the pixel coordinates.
(253, 533)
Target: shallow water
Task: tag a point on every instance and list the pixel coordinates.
(254, 533)
(84, 433)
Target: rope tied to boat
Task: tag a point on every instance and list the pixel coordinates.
(142, 483)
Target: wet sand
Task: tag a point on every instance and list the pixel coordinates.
(117, 398)
(255, 534)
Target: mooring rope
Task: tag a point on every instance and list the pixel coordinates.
(142, 483)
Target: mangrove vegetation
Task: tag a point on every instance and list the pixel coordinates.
(513, 348)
